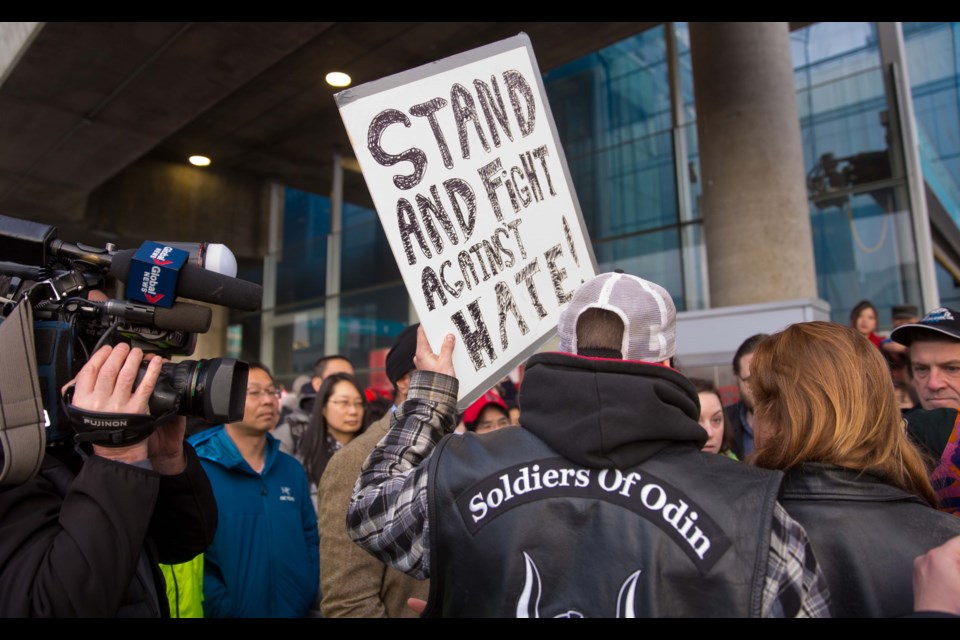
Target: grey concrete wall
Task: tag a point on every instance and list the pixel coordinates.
(754, 200)
(178, 202)
(711, 336)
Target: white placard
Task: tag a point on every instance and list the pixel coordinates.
(463, 162)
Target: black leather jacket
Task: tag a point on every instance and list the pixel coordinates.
(865, 533)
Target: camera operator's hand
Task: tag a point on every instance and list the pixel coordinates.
(105, 384)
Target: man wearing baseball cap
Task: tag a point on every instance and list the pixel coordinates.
(601, 505)
(934, 344)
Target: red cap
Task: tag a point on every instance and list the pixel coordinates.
(473, 411)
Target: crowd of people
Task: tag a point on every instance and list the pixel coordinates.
(834, 510)
(609, 484)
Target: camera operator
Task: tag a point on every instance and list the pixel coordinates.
(84, 536)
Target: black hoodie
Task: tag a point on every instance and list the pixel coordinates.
(601, 412)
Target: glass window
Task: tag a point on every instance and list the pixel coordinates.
(635, 188)
(613, 113)
(694, 187)
(689, 110)
(862, 234)
(827, 51)
(654, 256)
(933, 57)
(612, 110)
(371, 320)
(249, 331)
(863, 245)
(298, 342)
(694, 258)
(618, 93)
(949, 289)
(845, 132)
(302, 269)
(366, 257)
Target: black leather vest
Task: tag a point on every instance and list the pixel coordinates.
(865, 534)
(516, 530)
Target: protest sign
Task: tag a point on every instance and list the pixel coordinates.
(463, 162)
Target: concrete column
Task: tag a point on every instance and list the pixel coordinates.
(754, 198)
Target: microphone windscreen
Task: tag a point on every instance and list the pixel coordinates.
(219, 258)
(200, 284)
(183, 316)
(208, 286)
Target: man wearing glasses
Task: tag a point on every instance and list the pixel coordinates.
(264, 560)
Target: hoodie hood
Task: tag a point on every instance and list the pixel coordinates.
(604, 413)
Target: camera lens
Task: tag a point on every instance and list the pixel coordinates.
(214, 390)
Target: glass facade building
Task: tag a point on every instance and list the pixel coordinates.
(626, 117)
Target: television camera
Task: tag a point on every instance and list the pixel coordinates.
(63, 288)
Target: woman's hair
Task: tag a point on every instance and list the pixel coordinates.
(824, 394)
(858, 309)
(705, 386)
(314, 448)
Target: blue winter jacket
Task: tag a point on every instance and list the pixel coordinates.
(264, 560)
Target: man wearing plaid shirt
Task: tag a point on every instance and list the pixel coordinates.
(601, 504)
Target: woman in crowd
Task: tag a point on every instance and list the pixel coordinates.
(712, 420)
(337, 419)
(864, 319)
(825, 413)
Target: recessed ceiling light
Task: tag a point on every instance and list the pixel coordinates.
(338, 79)
(200, 161)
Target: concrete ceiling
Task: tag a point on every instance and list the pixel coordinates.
(87, 100)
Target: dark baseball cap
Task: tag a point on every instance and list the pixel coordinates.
(400, 357)
(903, 311)
(942, 321)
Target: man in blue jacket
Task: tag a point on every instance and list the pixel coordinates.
(264, 560)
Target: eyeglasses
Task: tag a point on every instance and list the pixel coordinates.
(343, 405)
(256, 393)
(493, 424)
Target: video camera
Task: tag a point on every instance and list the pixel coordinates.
(64, 287)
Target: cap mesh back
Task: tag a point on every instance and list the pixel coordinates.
(647, 311)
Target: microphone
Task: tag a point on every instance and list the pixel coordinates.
(182, 316)
(201, 284)
(214, 257)
(26, 242)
